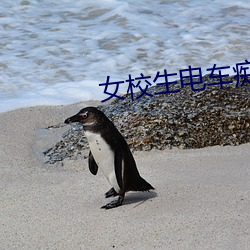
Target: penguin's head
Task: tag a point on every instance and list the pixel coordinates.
(88, 117)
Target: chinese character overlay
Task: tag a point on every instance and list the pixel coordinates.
(190, 77)
(131, 86)
(218, 76)
(144, 91)
(166, 82)
(106, 87)
(238, 70)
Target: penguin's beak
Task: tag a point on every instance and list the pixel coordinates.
(74, 118)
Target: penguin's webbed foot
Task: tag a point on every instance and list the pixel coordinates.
(113, 204)
(111, 193)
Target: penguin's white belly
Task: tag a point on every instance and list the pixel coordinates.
(104, 157)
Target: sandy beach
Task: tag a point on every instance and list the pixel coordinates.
(201, 198)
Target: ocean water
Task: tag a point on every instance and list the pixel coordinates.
(58, 52)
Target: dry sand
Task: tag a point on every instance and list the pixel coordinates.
(201, 201)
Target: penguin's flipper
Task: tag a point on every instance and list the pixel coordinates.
(93, 167)
(111, 193)
(118, 166)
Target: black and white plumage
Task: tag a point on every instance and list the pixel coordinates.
(110, 152)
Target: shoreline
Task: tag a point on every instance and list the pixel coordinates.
(201, 198)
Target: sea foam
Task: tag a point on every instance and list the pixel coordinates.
(59, 52)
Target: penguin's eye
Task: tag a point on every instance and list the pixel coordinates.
(84, 115)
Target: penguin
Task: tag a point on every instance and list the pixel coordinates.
(110, 152)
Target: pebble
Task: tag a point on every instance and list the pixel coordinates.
(187, 119)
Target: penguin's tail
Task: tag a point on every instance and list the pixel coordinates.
(141, 185)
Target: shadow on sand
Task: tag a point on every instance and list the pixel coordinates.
(138, 198)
